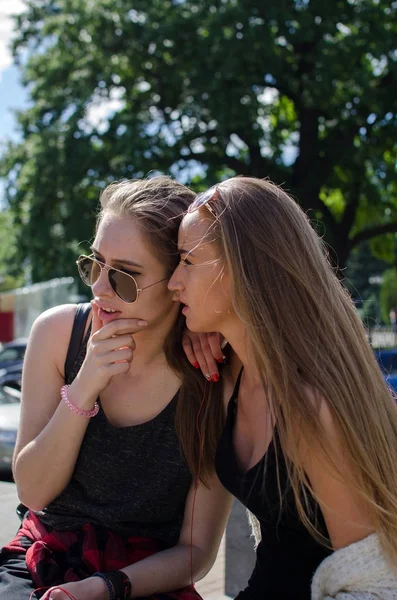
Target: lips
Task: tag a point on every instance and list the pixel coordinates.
(107, 313)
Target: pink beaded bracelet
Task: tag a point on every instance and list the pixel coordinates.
(76, 409)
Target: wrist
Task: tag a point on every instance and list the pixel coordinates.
(81, 412)
(117, 583)
(96, 589)
(81, 396)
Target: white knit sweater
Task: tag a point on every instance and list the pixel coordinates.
(356, 572)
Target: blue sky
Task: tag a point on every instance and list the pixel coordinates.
(12, 94)
(12, 97)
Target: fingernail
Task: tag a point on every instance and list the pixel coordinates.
(142, 323)
(196, 365)
(221, 360)
(208, 376)
(215, 377)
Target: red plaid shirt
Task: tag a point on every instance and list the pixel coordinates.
(55, 557)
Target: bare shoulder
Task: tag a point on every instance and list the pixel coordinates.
(51, 333)
(330, 432)
(61, 316)
(334, 480)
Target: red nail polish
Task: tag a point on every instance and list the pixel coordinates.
(196, 365)
(215, 377)
(220, 360)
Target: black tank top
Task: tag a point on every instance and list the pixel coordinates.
(130, 480)
(288, 555)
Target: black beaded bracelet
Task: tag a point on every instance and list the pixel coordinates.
(109, 584)
(121, 584)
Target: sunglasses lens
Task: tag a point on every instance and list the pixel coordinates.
(203, 199)
(123, 285)
(89, 270)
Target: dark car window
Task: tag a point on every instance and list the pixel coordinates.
(11, 354)
(387, 360)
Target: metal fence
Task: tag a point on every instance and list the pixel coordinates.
(382, 337)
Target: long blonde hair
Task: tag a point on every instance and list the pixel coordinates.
(158, 205)
(305, 332)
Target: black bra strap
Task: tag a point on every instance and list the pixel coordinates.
(80, 320)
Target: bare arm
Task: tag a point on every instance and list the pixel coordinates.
(47, 443)
(345, 512)
(171, 569)
(50, 434)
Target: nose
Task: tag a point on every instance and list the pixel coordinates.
(174, 283)
(102, 286)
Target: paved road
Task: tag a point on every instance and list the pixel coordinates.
(9, 521)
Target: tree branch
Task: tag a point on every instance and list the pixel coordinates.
(371, 232)
(349, 214)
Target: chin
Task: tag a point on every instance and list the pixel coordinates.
(197, 327)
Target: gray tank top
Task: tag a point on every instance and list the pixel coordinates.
(130, 480)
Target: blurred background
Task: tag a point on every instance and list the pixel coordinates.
(92, 91)
(300, 91)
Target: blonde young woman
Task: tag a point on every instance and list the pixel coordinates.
(99, 462)
(310, 440)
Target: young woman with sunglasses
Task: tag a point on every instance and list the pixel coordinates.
(310, 439)
(110, 465)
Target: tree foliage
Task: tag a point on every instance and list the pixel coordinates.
(388, 294)
(296, 90)
(10, 275)
(362, 266)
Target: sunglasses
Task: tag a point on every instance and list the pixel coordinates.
(123, 284)
(204, 199)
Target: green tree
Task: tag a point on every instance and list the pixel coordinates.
(361, 267)
(388, 294)
(11, 275)
(297, 90)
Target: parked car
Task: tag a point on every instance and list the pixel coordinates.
(12, 353)
(10, 404)
(387, 360)
(12, 376)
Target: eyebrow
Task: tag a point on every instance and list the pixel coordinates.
(182, 251)
(119, 261)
